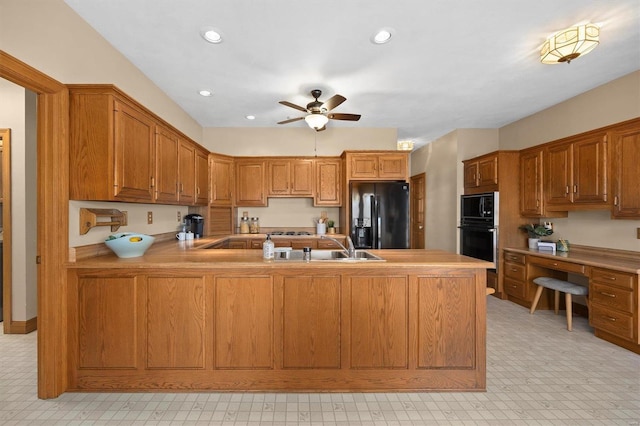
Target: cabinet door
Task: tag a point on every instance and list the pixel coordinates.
(531, 184)
(134, 156)
(221, 181)
(328, 183)
(175, 322)
(471, 175)
(590, 170)
(250, 179)
(364, 166)
(244, 322)
(202, 178)
(302, 177)
(558, 175)
(488, 171)
(279, 175)
(391, 166)
(187, 173)
(311, 313)
(379, 322)
(625, 148)
(166, 176)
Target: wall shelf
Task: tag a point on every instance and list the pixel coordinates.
(89, 219)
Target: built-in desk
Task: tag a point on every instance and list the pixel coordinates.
(612, 277)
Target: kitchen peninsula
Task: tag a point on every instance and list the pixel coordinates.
(183, 317)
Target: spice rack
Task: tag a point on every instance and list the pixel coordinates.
(89, 219)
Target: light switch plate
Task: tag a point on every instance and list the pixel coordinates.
(638, 231)
(149, 218)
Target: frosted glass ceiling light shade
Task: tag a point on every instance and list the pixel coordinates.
(316, 121)
(567, 45)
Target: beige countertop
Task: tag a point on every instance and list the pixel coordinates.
(591, 256)
(192, 254)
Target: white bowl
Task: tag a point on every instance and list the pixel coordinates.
(128, 244)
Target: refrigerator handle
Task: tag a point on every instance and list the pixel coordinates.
(375, 218)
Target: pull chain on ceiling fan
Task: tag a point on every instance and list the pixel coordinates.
(318, 113)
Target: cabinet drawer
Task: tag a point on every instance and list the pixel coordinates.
(558, 265)
(515, 288)
(256, 244)
(515, 271)
(611, 321)
(612, 297)
(328, 244)
(514, 257)
(616, 278)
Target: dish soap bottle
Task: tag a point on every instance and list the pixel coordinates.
(268, 248)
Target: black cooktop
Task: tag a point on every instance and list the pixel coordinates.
(290, 233)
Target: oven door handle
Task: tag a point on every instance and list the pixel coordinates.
(477, 228)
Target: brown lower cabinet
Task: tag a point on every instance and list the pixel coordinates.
(289, 328)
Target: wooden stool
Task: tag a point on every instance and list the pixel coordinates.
(558, 286)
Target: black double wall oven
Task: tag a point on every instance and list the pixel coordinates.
(479, 226)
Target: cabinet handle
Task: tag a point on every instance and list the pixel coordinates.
(537, 203)
(612, 319)
(610, 277)
(514, 270)
(567, 189)
(615, 200)
(153, 182)
(198, 191)
(575, 189)
(181, 187)
(607, 294)
(479, 176)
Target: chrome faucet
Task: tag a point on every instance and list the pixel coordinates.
(350, 251)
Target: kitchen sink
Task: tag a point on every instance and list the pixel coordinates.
(326, 256)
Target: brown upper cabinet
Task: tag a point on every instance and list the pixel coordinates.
(576, 172)
(290, 177)
(380, 165)
(250, 182)
(120, 151)
(625, 176)
(532, 198)
(202, 177)
(328, 182)
(481, 174)
(222, 174)
(111, 146)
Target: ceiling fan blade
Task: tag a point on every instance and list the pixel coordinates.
(294, 106)
(291, 120)
(348, 117)
(321, 129)
(333, 102)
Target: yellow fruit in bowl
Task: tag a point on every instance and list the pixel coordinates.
(135, 239)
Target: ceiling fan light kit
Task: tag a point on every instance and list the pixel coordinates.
(317, 116)
(568, 44)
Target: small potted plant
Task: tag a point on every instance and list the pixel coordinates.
(536, 232)
(330, 227)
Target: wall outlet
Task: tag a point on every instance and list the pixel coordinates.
(149, 218)
(179, 216)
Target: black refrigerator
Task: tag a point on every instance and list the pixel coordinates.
(379, 215)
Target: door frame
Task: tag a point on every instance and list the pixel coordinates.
(53, 227)
(5, 135)
(414, 187)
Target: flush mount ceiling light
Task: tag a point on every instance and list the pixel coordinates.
(211, 35)
(405, 145)
(316, 120)
(382, 36)
(567, 45)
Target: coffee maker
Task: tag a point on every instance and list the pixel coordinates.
(194, 223)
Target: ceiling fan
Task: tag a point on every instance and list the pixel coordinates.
(318, 113)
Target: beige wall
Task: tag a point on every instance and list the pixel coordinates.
(17, 112)
(611, 103)
(441, 160)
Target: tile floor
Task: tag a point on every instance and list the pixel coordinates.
(537, 374)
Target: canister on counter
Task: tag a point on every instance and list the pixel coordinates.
(562, 245)
(254, 225)
(244, 225)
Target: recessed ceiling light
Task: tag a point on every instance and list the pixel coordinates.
(211, 35)
(382, 36)
(250, 117)
(206, 93)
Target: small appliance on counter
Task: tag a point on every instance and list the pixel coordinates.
(194, 223)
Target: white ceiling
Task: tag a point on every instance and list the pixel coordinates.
(450, 63)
